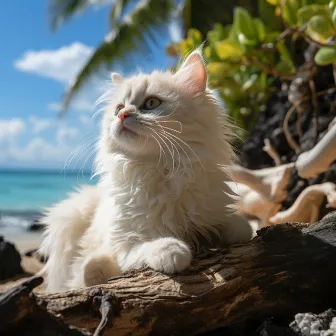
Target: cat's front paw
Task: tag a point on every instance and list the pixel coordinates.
(168, 255)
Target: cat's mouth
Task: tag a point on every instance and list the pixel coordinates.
(124, 130)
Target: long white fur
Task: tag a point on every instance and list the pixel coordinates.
(160, 193)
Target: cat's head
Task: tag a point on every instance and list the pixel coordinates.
(163, 115)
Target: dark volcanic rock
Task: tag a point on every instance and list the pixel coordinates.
(36, 226)
(34, 253)
(10, 260)
(268, 328)
(269, 125)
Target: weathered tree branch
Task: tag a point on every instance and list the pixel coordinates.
(252, 204)
(307, 206)
(286, 269)
(318, 160)
(269, 182)
(20, 314)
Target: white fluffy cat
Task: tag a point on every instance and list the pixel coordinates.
(162, 158)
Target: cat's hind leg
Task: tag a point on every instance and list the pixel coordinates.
(93, 269)
(66, 223)
(235, 230)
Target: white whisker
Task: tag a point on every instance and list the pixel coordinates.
(184, 143)
(184, 151)
(79, 148)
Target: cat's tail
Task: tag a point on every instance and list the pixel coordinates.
(66, 223)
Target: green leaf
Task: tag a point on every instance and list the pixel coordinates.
(307, 12)
(274, 2)
(195, 36)
(262, 81)
(243, 23)
(315, 2)
(260, 28)
(321, 26)
(210, 53)
(222, 68)
(325, 56)
(233, 35)
(186, 46)
(193, 40)
(244, 41)
(333, 18)
(285, 56)
(227, 49)
(250, 82)
(271, 37)
(267, 15)
(218, 33)
(290, 10)
(284, 67)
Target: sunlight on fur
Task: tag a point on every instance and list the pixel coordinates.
(162, 158)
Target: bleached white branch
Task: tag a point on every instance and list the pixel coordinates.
(317, 160)
(272, 152)
(306, 208)
(253, 205)
(269, 182)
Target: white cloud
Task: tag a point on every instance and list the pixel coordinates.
(39, 124)
(83, 104)
(65, 133)
(61, 64)
(41, 152)
(85, 120)
(80, 103)
(37, 150)
(11, 128)
(56, 107)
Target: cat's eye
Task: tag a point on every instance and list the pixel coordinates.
(118, 109)
(151, 103)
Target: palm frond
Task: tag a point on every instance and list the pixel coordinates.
(128, 36)
(117, 11)
(62, 10)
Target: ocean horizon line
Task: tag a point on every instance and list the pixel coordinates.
(45, 171)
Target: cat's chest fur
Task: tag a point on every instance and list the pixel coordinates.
(147, 203)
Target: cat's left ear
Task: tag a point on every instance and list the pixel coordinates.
(192, 74)
(116, 78)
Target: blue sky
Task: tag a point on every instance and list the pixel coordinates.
(37, 64)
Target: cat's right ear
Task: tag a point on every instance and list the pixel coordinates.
(192, 73)
(116, 78)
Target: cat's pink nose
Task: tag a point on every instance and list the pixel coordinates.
(123, 115)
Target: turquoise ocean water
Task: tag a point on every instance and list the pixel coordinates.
(24, 194)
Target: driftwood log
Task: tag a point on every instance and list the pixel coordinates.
(284, 270)
(20, 314)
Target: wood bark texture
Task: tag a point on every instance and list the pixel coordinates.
(285, 269)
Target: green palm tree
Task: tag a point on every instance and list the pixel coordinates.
(132, 21)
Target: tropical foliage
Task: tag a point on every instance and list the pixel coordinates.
(246, 58)
(132, 24)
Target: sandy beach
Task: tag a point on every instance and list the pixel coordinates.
(24, 241)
